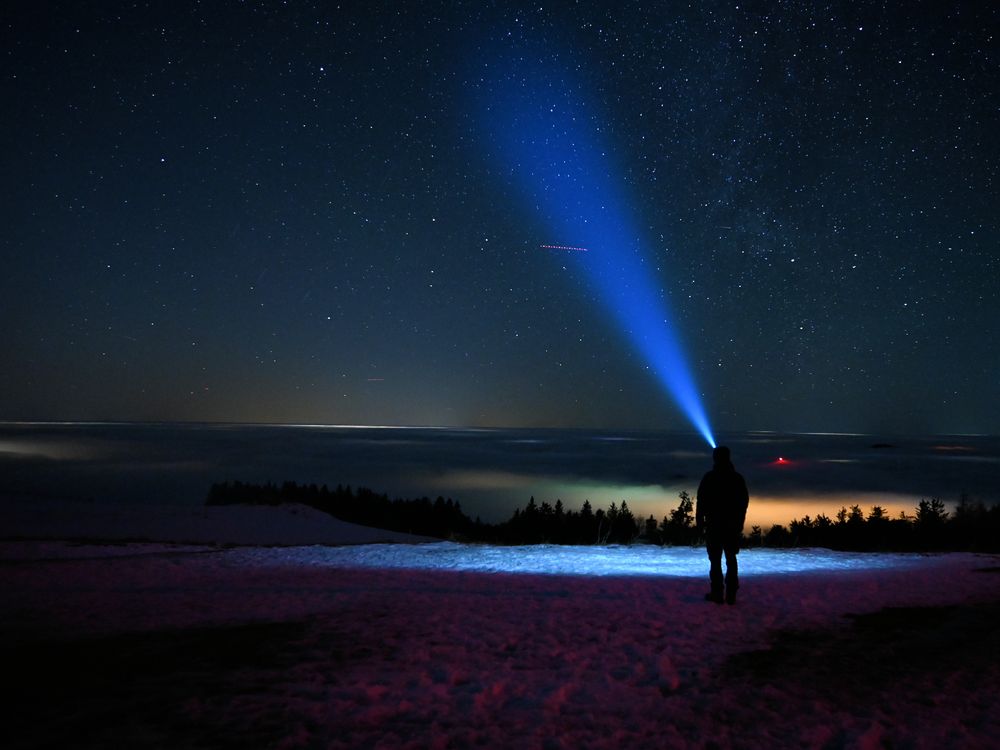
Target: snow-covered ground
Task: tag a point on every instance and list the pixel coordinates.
(281, 525)
(608, 560)
(445, 645)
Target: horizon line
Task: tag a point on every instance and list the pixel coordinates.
(467, 428)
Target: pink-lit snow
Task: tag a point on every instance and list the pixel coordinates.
(445, 645)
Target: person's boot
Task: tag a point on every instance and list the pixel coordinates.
(715, 595)
(731, 594)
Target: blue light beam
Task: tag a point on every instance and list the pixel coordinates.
(550, 145)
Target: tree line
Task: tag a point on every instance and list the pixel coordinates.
(972, 525)
(439, 518)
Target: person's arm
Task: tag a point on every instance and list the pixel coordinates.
(699, 509)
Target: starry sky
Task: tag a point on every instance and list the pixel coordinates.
(294, 212)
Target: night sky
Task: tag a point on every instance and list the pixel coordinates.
(295, 212)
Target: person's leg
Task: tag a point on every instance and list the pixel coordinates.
(732, 572)
(715, 571)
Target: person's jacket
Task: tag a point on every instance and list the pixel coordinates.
(721, 509)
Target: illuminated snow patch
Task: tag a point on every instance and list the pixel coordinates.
(547, 559)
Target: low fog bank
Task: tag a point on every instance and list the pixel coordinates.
(489, 471)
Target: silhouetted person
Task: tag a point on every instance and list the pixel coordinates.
(720, 513)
